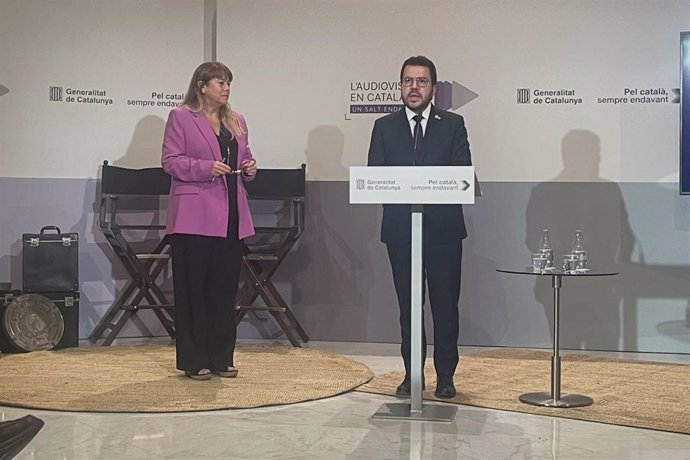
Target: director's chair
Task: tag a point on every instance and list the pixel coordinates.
(120, 185)
(266, 250)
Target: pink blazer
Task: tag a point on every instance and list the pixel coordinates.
(198, 204)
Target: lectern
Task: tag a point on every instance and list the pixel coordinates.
(416, 186)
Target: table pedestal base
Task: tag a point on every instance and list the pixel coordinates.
(546, 399)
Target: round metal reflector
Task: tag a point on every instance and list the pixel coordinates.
(32, 322)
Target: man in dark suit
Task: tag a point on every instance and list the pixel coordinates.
(423, 135)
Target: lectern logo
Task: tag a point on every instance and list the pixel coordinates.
(377, 97)
(360, 184)
(451, 95)
(55, 94)
(523, 96)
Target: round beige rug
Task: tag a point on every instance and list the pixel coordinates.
(144, 379)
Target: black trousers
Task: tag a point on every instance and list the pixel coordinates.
(206, 272)
(442, 266)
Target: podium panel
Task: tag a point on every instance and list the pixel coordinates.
(412, 185)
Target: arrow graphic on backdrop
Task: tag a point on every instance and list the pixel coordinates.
(3, 90)
(676, 99)
(451, 96)
(465, 185)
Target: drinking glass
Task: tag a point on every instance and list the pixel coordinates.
(539, 262)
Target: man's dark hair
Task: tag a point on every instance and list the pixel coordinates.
(420, 61)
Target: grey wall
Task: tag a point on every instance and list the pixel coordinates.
(338, 281)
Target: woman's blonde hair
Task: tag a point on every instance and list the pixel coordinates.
(194, 101)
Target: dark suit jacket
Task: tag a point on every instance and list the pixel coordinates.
(445, 144)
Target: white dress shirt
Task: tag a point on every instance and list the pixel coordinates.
(425, 117)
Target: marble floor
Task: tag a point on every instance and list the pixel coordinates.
(342, 428)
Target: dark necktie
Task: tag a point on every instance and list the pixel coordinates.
(418, 137)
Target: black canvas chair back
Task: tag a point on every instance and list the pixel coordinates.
(141, 190)
(116, 180)
(120, 184)
(278, 184)
(271, 244)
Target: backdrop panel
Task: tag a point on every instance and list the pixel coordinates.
(312, 72)
(92, 80)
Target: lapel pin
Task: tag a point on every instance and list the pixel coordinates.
(437, 117)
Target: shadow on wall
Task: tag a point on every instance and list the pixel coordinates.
(324, 152)
(484, 317)
(144, 151)
(90, 273)
(329, 268)
(579, 198)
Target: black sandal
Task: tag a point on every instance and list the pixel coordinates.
(199, 375)
(230, 372)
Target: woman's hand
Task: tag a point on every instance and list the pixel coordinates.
(249, 168)
(220, 169)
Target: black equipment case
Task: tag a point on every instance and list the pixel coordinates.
(50, 261)
(50, 282)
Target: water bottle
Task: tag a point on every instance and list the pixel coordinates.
(545, 248)
(578, 250)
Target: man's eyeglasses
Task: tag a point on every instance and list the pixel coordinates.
(421, 81)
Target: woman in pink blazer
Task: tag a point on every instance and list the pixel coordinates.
(206, 152)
